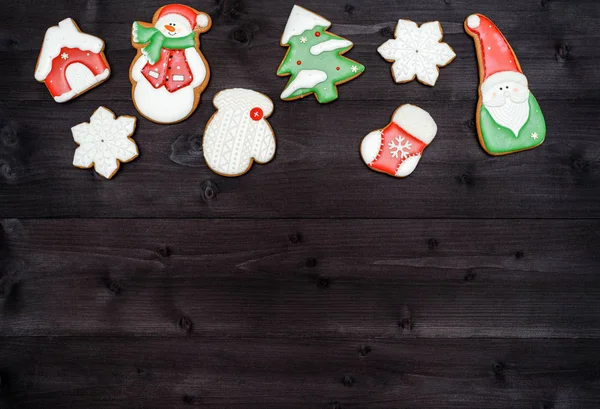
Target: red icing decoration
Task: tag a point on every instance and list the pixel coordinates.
(385, 162)
(298, 62)
(337, 68)
(318, 34)
(57, 82)
(256, 114)
(171, 70)
(496, 54)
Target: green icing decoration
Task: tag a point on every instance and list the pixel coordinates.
(338, 68)
(500, 140)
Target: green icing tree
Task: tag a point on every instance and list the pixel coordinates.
(314, 58)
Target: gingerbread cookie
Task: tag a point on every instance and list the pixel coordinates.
(315, 58)
(169, 72)
(70, 62)
(509, 118)
(397, 148)
(417, 52)
(238, 133)
(104, 142)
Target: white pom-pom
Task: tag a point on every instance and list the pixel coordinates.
(473, 21)
(202, 20)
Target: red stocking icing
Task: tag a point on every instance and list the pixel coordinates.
(172, 71)
(397, 145)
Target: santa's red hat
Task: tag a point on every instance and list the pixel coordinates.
(499, 63)
(195, 18)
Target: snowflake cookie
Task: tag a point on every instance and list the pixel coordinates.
(104, 142)
(397, 148)
(417, 52)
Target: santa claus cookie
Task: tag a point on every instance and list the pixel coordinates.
(238, 133)
(70, 62)
(509, 118)
(417, 52)
(314, 58)
(169, 72)
(104, 142)
(397, 148)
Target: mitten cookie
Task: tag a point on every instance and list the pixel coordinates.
(397, 148)
(238, 133)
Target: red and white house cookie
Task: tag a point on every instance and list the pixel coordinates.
(70, 62)
(397, 148)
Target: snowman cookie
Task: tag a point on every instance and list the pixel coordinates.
(417, 52)
(397, 148)
(70, 62)
(509, 118)
(169, 71)
(238, 133)
(104, 142)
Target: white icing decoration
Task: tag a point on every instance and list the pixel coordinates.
(163, 106)
(104, 141)
(301, 20)
(473, 21)
(65, 34)
(80, 78)
(202, 20)
(329, 45)
(233, 139)
(304, 79)
(416, 122)
(511, 115)
(417, 51)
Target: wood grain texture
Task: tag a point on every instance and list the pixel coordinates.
(311, 282)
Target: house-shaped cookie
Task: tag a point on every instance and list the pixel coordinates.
(70, 62)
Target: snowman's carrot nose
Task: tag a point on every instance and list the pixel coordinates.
(170, 28)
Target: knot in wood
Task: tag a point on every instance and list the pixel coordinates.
(348, 381)
(349, 8)
(210, 190)
(194, 145)
(6, 170)
(471, 123)
(519, 254)
(8, 136)
(164, 251)
(578, 165)
(562, 51)
(241, 36)
(364, 350)
(470, 275)
(406, 323)
(498, 368)
(323, 282)
(114, 287)
(432, 244)
(295, 238)
(189, 399)
(311, 262)
(336, 405)
(465, 179)
(186, 324)
(386, 32)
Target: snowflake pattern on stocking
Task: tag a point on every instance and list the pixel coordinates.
(400, 146)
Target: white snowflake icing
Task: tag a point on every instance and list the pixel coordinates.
(354, 68)
(534, 135)
(400, 146)
(303, 40)
(104, 141)
(417, 51)
(64, 56)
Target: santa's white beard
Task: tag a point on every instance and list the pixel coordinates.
(511, 115)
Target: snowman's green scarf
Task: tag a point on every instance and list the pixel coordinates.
(157, 41)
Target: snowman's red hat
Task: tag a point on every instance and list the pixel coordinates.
(192, 16)
(499, 63)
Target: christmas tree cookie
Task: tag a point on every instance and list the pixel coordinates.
(169, 71)
(397, 149)
(70, 62)
(315, 58)
(509, 118)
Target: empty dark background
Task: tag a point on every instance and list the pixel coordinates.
(311, 282)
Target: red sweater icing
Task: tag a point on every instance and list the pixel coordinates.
(397, 145)
(171, 70)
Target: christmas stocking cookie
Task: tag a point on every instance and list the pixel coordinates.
(397, 148)
(238, 133)
(509, 118)
(314, 58)
(169, 72)
(70, 62)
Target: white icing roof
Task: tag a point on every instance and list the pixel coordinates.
(65, 34)
(301, 20)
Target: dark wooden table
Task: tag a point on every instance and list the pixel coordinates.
(311, 282)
